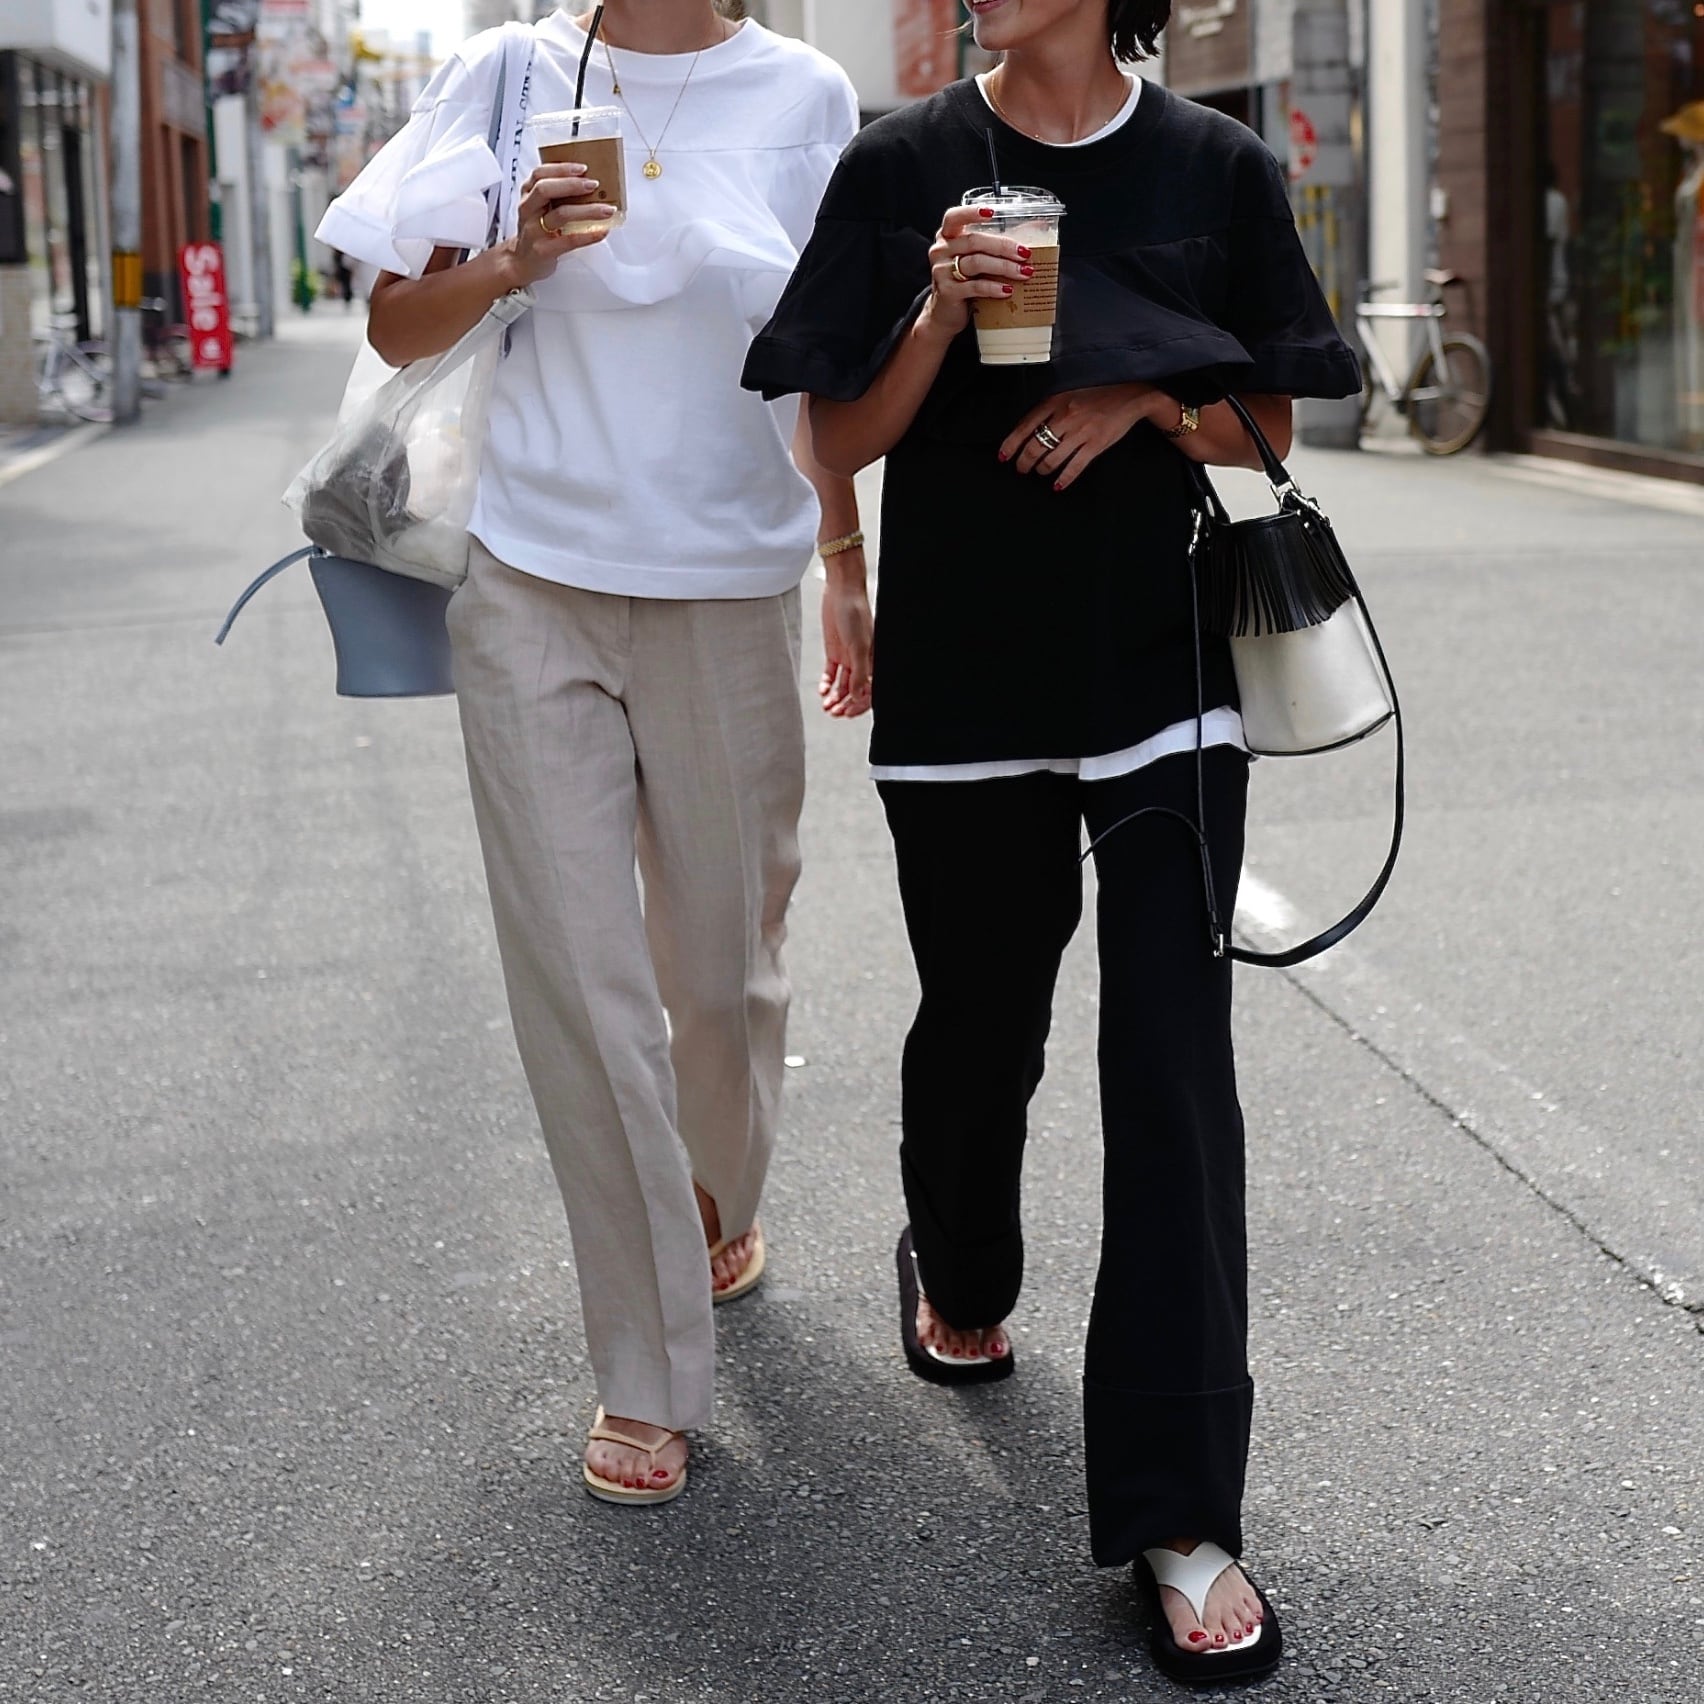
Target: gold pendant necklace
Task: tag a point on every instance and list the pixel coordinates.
(653, 167)
(1046, 141)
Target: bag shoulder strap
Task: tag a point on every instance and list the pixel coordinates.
(508, 114)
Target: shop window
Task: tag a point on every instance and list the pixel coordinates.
(1620, 221)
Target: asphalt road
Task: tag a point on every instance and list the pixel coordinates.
(293, 1387)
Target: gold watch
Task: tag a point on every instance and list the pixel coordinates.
(1191, 422)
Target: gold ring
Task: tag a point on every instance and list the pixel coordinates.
(958, 271)
(1047, 437)
(548, 230)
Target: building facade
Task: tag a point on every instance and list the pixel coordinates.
(175, 170)
(1571, 175)
(55, 60)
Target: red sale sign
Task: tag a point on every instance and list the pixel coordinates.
(206, 307)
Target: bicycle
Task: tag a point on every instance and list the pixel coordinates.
(166, 345)
(75, 377)
(1448, 394)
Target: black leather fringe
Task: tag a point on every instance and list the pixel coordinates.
(1277, 574)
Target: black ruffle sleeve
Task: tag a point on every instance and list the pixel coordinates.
(1274, 306)
(859, 285)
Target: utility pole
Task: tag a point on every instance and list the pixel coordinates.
(260, 203)
(126, 329)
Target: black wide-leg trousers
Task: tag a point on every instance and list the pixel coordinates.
(992, 889)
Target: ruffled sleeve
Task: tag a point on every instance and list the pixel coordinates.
(426, 187)
(860, 283)
(1274, 306)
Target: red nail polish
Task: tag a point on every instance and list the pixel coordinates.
(1028, 271)
(1023, 253)
(1004, 457)
(1197, 1636)
(660, 1473)
(1059, 485)
(1005, 289)
(985, 212)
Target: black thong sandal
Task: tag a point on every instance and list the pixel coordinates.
(1194, 1576)
(927, 1362)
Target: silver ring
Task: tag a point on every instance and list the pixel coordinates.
(1047, 437)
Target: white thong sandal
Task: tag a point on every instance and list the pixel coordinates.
(1194, 1576)
(924, 1359)
(607, 1490)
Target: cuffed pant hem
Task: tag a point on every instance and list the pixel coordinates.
(1164, 1465)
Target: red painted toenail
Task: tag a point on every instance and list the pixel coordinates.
(1197, 1636)
(1219, 1639)
(660, 1473)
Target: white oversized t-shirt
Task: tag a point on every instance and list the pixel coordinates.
(622, 455)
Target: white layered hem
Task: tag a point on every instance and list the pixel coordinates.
(1221, 727)
(625, 579)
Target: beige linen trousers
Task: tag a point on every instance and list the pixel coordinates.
(651, 1024)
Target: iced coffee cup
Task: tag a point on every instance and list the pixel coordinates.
(590, 137)
(1017, 330)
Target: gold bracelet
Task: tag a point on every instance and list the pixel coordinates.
(836, 546)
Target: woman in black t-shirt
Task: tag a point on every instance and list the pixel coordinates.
(1038, 671)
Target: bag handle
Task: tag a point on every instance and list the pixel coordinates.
(1276, 473)
(271, 573)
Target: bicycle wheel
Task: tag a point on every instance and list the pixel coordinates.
(83, 385)
(1448, 400)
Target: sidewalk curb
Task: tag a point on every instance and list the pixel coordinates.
(1580, 480)
(30, 460)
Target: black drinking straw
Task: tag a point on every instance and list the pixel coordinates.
(585, 60)
(994, 161)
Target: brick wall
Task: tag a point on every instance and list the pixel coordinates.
(1463, 153)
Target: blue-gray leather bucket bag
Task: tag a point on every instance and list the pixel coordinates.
(387, 630)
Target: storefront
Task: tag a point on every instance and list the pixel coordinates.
(55, 56)
(1620, 206)
(1571, 161)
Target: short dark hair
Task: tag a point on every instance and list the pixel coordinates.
(1136, 26)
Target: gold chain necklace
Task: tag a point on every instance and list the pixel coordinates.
(653, 166)
(1046, 141)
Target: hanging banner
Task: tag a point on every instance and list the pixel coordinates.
(206, 304)
(926, 44)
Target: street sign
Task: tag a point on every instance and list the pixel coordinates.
(206, 304)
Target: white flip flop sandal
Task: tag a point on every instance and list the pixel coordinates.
(925, 1360)
(1194, 1576)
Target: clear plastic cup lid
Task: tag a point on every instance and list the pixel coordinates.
(1016, 198)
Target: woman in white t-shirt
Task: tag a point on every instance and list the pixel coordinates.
(627, 643)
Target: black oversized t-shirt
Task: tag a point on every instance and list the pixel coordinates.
(1015, 622)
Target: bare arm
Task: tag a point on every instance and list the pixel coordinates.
(847, 622)
(411, 318)
(851, 435)
(1223, 440)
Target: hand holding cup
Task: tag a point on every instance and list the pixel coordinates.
(554, 196)
(970, 261)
